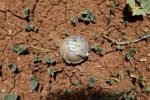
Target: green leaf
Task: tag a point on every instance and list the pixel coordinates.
(138, 11)
(51, 72)
(77, 83)
(98, 49)
(91, 81)
(131, 54)
(49, 60)
(26, 12)
(142, 9)
(10, 96)
(19, 49)
(67, 91)
(93, 19)
(12, 67)
(131, 2)
(119, 47)
(101, 51)
(34, 83)
(112, 80)
(66, 32)
(29, 28)
(112, 96)
(36, 60)
(145, 4)
(138, 79)
(95, 47)
(73, 20)
(87, 16)
(146, 90)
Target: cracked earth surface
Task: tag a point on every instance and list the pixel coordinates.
(52, 18)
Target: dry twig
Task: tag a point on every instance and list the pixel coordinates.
(41, 49)
(126, 42)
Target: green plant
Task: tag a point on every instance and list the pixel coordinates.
(91, 81)
(112, 96)
(115, 5)
(34, 83)
(73, 20)
(26, 13)
(66, 32)
(129, 94)
(146, 90)
(138, 79)
(12, 67)
(29, 28)
(119, 47)
(143, 7)
(10, 96)
(67, 91)
(87, 16)
(49, 60)
(77, 83)
(98, 49)
(19, 49)
(112, 80)
(36, 60)
(51, 72)
(131, 54)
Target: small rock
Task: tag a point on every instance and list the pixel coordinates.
(148, 54)
(3, 90)
(143, 60)
(45, 92)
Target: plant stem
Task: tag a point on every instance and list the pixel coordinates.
(125, 42)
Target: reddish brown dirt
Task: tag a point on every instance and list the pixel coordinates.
(53, 18)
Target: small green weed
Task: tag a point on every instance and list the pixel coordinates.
(138, 79)
(112, 80)
(73, 20)
(87, 16)
(129, 94)
(146, 90)
(12, 67)
(112, 96)
(77, 83)
(26, 13)
(67, 91)
(10, 96)
(51, 72)
(49, 60)
(66, 32)
(31, 28)
(91, 81)
(34, 82)
(131, 54)
(19, 49)
(119, 47)
(97, 49)
(36, 60)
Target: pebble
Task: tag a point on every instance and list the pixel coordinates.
(148, 54)
(143, 60)
(3, 90)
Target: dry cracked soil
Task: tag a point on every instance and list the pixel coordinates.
(70, 82)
